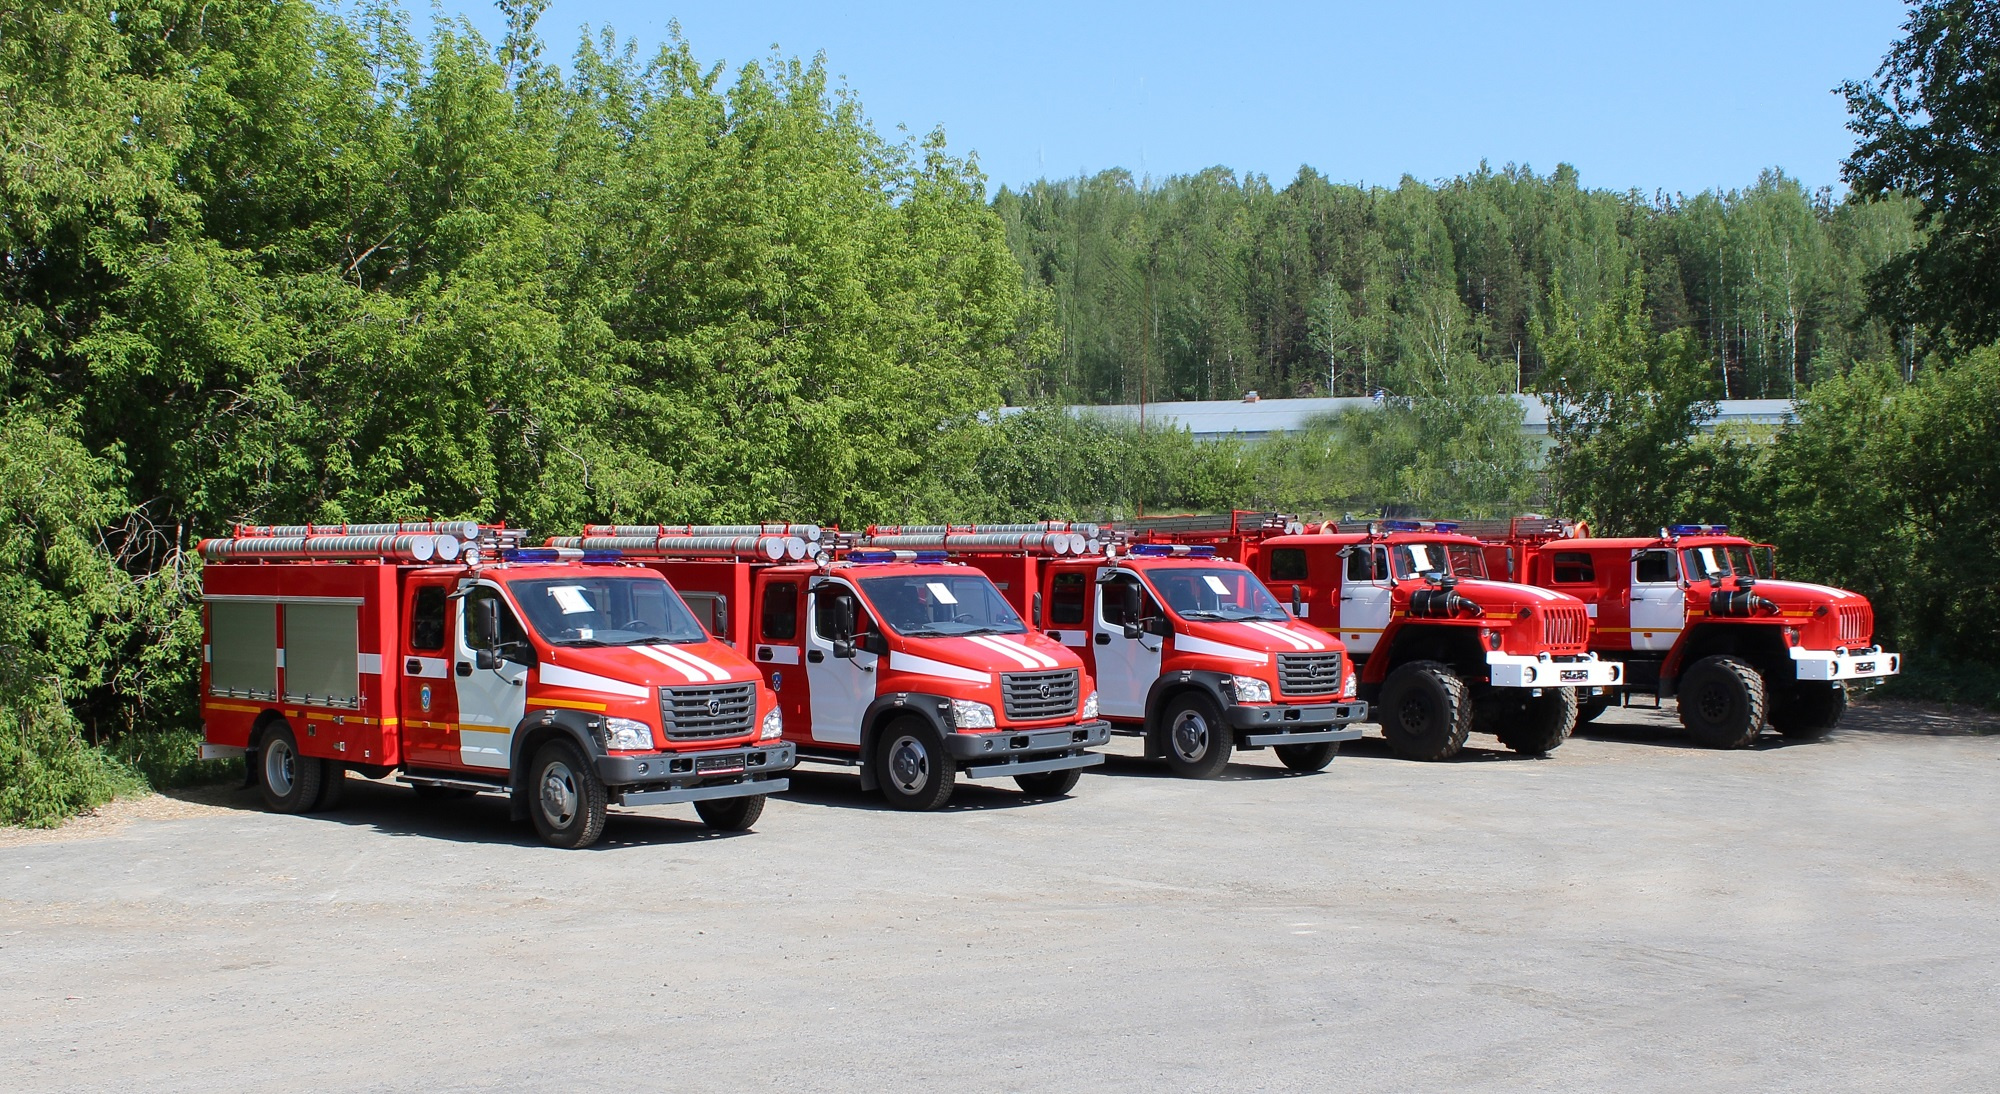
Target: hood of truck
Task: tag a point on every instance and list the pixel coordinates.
(988, 654)
(1500, 598)
(639, 671)
(1250, 642)
(1826, 617)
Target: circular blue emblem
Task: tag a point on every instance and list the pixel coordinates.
(424, 697)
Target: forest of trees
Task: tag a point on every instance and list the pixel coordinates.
(1209, 285)
(265, 260)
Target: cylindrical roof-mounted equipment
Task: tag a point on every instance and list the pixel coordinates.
(811, 533)
(396, 547)
(752, 547)
(459, 529)
(1036, 542)
(1087, 531)
(1237, 522)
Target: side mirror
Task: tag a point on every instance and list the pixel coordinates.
(1134, 603)
(486, 659)
(843, 647)
(840, 612)
(1298, 603)
(1132, 630)
(1035, 611)
(722, 619)
(485, 623)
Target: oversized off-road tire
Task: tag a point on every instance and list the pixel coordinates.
(1049, 784)
(1539, 723)
(1426, 711)
(731, 814)
(566, 799)
(1198, 742)
(1308, 758)
(1589, 710)
(290, 782)
(1808, 711)
(332, 785)
(912, 767)
(1722, 702)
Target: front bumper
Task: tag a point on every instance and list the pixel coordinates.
(664, 778)
(1829, 665)
(1001, 753)
(1516, 670)
(1278, 724)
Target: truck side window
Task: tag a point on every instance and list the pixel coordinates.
(1359, 566)
(781, 611)
(1067, 597)
(1573, 568)
(1288, 564)
(1655, 567)
(823, 618)
(1114, 603)
(427, 619)
(510, 628)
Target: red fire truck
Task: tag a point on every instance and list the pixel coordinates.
(1190, 652)
(452, 657)
(1443, 650)
(900, 663)
(1696, 614)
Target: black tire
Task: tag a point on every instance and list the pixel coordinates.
(1307, 759)
(290, 782)
(431, 792)
(912, 767)
(1426, 711)
(1722, 702)
(1049, 784)
(566, 799)
(1198, 742)
(332, 785)
(731, 814)
(1808, 711)
(1540, 723)
(1589, 710)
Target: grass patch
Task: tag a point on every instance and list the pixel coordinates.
(172, 758)
(48, 773)
(1965, 683)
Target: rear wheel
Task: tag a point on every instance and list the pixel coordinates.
(1807, 712)
(1308, 758)
(1722, 702)
(1198, 743)
(912, 767)
(1540, 723)
(567, 799)
(1426, 711)
(1049, 784)
(731, 814)
(290, 782)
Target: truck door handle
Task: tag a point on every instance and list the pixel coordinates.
(1103, 639)
(465, 668)
(815, 656)
(413, 666)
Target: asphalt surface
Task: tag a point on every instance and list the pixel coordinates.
(1628, 914)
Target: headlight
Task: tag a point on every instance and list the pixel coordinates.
(970, 715)
(627, 734)
(1089, 710)
(774, 725)
(1249, 689)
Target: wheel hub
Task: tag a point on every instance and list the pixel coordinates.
(1414, 712)
(559, 795)
(279, 767)
(909, 764)
(1715, 703)
(1190, 736)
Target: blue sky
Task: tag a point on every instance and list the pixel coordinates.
(1680, 96)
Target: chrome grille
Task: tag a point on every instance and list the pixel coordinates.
(1565, 627)
(1854, 625)
(694, 714)
(1310, 673)
(1034, 696)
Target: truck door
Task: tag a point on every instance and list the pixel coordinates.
(1366, 594)
(429, 713)
(1126, 667)
(779, 651)
(1659, 604)
(491, 702)
(841, 687)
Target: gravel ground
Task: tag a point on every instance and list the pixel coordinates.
(1630, 913)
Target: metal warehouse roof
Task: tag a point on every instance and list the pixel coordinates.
(1251, 420)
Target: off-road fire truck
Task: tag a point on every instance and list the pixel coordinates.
(903, 664)
(1696, 614)
(1190, 652)
(460, 662)
(1443, 650)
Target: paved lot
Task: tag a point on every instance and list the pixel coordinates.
(1629, 914)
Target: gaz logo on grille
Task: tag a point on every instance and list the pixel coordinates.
(1575, 674)
(714, 707)
(1047, 691)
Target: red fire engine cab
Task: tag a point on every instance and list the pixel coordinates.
(1443, 650)
(1190, 652)
(453, 658)
(902, 664)
(1696, 614)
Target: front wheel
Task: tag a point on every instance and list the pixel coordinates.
(1722, 702)
(1049, 784)
(1809, 711)
(290, 782)
(731, 814)
(1426, 711)
(568, 798)
(1540, 723)
(912, 767)
(1198, 743)
(1307, 759)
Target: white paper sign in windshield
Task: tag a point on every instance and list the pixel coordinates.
(1420, 558)
(570, 599)
(1215, 583)
(943, 594)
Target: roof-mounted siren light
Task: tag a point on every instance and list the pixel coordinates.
(1698, 529)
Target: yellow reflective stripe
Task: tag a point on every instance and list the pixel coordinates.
(570, 704)
(237, 707)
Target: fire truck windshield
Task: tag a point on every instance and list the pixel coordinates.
(1216, 593)
(1708, 563)
(606, 611)
(1456, 560)
(945, 604)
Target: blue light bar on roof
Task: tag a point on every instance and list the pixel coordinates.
(603, 556)
(1447, 526)
(530, 554)
(1403, 525)
(1698, 529)
(876, 557)
(1170, 550)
